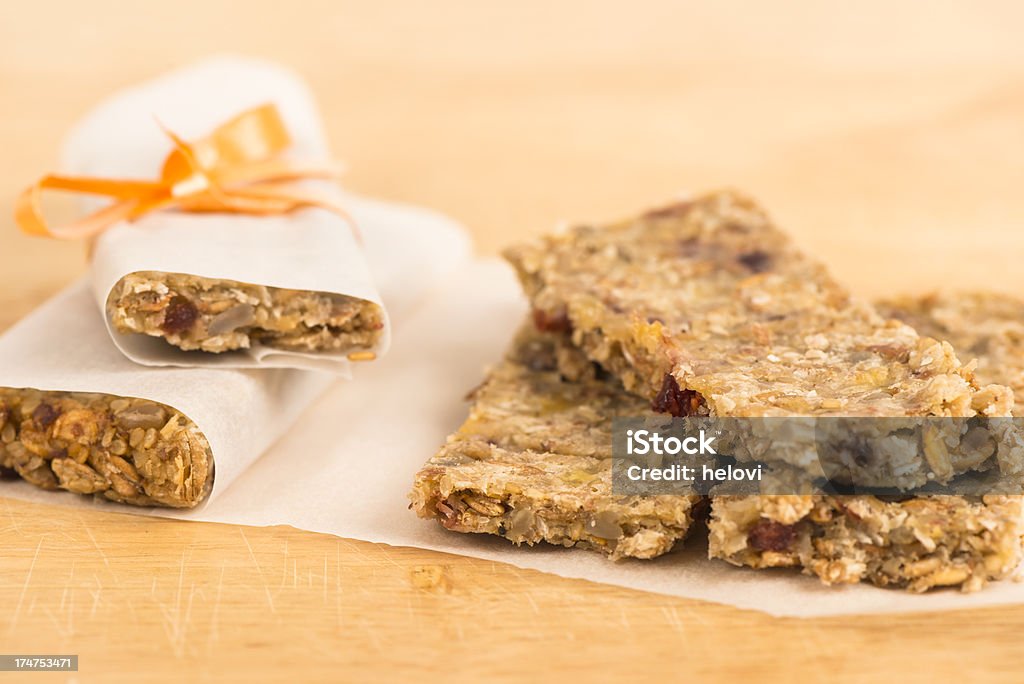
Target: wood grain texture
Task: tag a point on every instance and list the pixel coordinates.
(886, 136)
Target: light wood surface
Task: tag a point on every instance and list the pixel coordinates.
(887, 137)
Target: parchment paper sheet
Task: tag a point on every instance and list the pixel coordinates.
(63, 345)
(312, 249)
(347, 465)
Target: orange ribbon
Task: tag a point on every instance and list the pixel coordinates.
(235, 169)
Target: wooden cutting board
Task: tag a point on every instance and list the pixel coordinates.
(887, 137)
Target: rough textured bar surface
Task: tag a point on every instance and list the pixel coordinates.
(982, 325)
(918, 543)
(706, 308)
(211, 315)
(132, 451)
(533, 461)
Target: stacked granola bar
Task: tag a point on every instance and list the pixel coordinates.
(918, 543)
(213, 315)
(706, 308)
(533, 461)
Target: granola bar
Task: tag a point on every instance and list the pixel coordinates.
(706, 308)
(212, 315)
(533, 462)
(128, 450)
(919, 543)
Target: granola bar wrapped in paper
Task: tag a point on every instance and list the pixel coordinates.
(225, 289)
(80, 416)
(76, 414)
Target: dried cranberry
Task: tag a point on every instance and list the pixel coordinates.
(675, 401)
(557, 322)
(756, 261)
(180, 315)
(44, 415)
(768, 535)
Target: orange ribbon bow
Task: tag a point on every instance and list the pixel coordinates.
(235, 169)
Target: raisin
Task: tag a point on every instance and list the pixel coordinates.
(552, 322)
(180, 315)
(756, 261)
(768, 535)
(44, 415)
(675, 401)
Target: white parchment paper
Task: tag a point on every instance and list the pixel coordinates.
(312, 249)
(64, 346)
(362, 442)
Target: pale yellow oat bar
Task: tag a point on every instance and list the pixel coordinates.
(706, 308)
(132, 451)
(533, 462)
(918, 543)
(213, 315)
